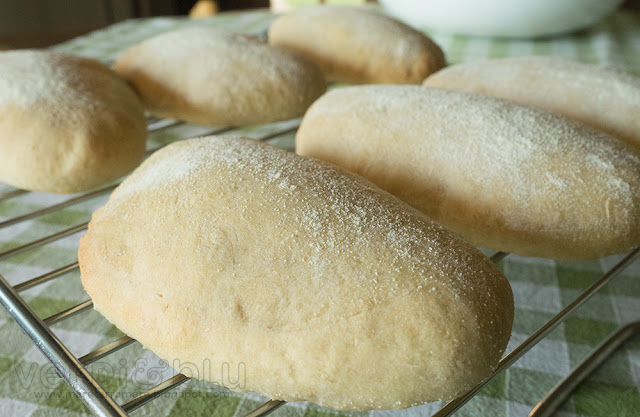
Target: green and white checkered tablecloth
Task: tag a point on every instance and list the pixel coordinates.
(541, 287)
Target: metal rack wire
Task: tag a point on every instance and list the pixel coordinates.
(74, 370)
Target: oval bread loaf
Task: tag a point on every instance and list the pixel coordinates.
(604, 98)
(67, 124)
(212, 76)
(357, 46)
(323, 287)
(505, 176)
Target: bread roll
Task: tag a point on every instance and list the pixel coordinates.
(203, 9)
(67, 124)
(505, 176)
(308, 281)
(358, 46)
(604, 98)
(212, 76)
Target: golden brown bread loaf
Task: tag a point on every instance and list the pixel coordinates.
(224, 250)
(505, 176)
(604, 98)
(358, 46)
(212, 76)
(67, 124)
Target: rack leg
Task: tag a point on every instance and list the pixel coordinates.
(78, 378)
(561, 391)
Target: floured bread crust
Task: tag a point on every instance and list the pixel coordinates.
(67, 124)
(505, 176)
(604, 98)
(357, 46)
(308, 281)
(215, 77)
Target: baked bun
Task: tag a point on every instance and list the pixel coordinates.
(67, 124)
(505, 176)
(604, 98)
(215, 77)
(357, 46)
(224, 250)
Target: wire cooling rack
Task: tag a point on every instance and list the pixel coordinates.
(74, 369)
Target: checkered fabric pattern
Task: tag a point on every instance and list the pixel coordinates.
(541, 287)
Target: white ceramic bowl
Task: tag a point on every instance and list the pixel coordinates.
(513, 18)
